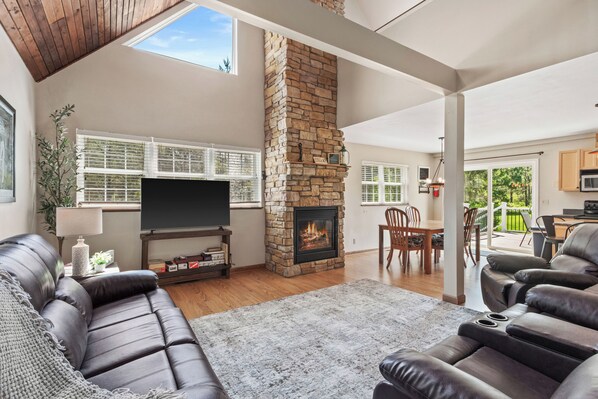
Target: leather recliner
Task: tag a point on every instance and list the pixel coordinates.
(545, 350)
(119, 330)
(507, 278)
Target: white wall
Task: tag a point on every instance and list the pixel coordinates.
(16, 86)
(123, 90)
(551, 200)
(361, 222)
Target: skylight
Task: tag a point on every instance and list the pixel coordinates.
(197, 35)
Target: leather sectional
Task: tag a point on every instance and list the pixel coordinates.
(507, 278)
(119, 330)
(546, 348)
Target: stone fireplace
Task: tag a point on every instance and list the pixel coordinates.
(300, 127)
(315, 233)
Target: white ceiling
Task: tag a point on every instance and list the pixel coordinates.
(551, 102)
(494, 45)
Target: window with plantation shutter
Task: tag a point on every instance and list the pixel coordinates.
(111, 167)
(383, 184)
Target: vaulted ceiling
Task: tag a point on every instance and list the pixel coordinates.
(51, 34)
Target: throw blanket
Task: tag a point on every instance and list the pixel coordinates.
(32, 364)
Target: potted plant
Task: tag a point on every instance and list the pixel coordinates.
(100, 260)
(57, 166)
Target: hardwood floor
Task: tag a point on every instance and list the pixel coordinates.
(250, 287)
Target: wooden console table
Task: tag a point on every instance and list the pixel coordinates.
(181, 276)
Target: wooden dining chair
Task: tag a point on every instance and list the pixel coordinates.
(468, 224)
(413, 214)
(400, 239)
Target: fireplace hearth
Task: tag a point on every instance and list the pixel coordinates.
(315, 233)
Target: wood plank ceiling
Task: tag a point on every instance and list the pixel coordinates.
(52, 34)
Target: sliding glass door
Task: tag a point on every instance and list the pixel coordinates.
(506, 195)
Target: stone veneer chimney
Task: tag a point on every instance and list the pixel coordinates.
(300, 99)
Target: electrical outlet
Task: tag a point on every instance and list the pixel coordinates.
(354, 240)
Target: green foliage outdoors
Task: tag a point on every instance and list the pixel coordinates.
(510, 185)
(57, 168)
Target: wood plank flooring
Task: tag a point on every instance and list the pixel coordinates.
(250, 287)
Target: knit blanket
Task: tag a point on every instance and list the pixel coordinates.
(32, 364)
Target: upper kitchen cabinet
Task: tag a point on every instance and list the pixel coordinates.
(569, 167)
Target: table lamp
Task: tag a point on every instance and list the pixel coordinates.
(71, 222)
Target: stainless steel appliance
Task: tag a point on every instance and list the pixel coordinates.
(589, 180)
(590, 210)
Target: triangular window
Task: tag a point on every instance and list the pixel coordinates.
(196, 35)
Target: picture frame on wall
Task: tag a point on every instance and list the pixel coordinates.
(334, 158)
(423, 173)
(7, 151)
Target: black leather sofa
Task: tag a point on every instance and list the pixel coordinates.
(119, 330)
(507, 278)
(545, 349)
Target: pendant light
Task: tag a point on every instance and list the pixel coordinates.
(437, 181)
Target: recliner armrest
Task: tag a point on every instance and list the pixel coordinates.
(514, 263)
(422, 376)
(112, 287)
(557, 277)
(573, 305)
(559, 335)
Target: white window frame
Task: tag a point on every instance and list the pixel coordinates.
(404, 184)
(167, 21)
(151, 166)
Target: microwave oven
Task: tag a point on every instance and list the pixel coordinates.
(589, 181)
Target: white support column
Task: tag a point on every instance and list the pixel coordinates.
(454, 126)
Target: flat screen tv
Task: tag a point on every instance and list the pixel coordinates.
(171, 203)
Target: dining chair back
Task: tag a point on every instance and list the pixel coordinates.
(527, 221)
(469, 221)
(400, 239)
(546, 227)
(413, 214)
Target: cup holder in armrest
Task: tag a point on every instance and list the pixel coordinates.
(485, 323)
(497, 317)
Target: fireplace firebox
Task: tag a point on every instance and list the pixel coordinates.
(316, 233)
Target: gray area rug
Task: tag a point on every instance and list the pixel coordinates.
(321, 344)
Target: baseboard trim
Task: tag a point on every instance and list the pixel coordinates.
(247, 268)
(459, 300)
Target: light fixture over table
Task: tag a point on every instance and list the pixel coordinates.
(437, 181)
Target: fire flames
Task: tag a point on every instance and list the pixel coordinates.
(314, 236)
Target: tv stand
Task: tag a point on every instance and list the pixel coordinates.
(181, 276)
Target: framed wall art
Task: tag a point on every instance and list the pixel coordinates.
(7, 151)
(423, 173)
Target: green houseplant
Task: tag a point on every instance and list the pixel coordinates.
(57, 171)
(100, 260)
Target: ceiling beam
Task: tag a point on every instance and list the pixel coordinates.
(315, 26)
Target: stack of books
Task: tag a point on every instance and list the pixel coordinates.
(213, 256)
(157, 265)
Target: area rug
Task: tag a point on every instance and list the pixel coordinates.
(321, 344)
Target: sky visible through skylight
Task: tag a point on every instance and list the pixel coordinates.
(201, 36)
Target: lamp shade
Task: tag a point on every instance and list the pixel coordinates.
(78, 221)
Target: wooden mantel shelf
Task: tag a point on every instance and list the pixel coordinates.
(327, 165)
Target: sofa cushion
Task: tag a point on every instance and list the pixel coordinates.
(43, 249)
(139, 375)
(583, 244)
(453, 349)
(71, 292)
(574, 264)
(175, 327)
(190, 367)
(119, 311)
(69, 326)
(121, 343)
(581, 383)
(30, 271)
(507, 375)
(159, 299)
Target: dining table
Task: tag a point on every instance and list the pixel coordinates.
(427, 228)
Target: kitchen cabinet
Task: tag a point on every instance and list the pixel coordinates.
(569, 167)
(589, 161)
